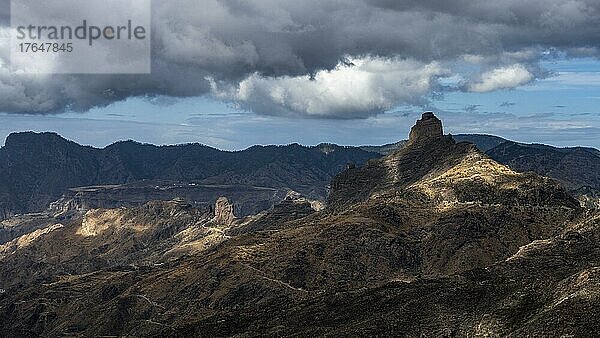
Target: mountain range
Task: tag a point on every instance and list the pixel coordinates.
(434, 239)
(36, 169)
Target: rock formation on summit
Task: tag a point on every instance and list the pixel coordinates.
(429, 127)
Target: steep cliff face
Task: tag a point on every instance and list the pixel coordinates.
(427, 150)
(38, 167)
(8, 203)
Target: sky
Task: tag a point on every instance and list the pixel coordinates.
(354, 72)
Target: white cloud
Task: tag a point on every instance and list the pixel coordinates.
(356, 88)
(502, 78)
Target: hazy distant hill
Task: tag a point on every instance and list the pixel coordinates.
(483, 143)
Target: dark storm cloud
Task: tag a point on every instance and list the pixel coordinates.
(311, 58)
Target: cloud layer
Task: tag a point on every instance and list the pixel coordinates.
(326, 58)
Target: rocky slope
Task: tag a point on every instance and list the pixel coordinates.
(436, 239)
(576, 168)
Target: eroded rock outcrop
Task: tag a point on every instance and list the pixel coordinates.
(428, 128)
(224, 214)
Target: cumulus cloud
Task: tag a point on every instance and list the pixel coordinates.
(355, 88)
(271, 48)
(502, 78)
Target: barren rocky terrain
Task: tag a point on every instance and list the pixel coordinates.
(434, 239)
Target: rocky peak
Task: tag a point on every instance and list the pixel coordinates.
(428, 128)
(224, 211)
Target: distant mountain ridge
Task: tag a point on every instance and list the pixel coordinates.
(576, 167)
(482, 141)
(38, 168)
